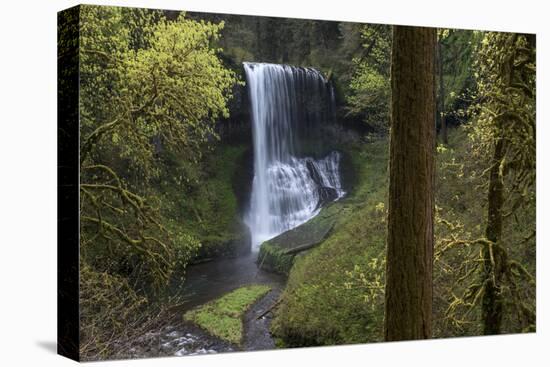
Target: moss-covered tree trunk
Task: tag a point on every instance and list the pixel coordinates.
(491, 308)
(408, 308)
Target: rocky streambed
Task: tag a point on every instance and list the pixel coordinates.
(205, 283)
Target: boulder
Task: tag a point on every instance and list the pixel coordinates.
(277, 254)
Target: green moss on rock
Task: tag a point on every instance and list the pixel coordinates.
(273, 258)
(277, 254)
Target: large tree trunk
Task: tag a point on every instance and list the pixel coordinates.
(493, 257)
(442, 122)
(408, 309)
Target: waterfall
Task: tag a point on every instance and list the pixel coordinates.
(287, 105)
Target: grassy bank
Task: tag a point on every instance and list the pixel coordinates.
(223, 317)
(334, 293)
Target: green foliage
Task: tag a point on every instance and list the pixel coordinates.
(111, 307)
(502, 70)
(505, 110)
(148, 85)
(457, 49)
(223, 317)
(459, 215)
(370, 85)
(370, 95)
(205, 207)
(173, 90)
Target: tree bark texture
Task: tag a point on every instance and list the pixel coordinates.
(408, 306)
(493, 257)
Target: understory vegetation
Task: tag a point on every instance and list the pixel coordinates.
(459, 232)
(207, 208)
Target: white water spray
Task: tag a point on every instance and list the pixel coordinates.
(287, 190)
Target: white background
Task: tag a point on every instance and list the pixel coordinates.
(28, 182)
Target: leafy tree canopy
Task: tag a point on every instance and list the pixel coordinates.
(148, 85)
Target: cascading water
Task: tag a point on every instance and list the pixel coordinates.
(287, 103)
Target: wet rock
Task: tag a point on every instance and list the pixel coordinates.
(277, 255)
(327, 195)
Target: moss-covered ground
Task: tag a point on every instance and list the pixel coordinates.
(334, 293)
(223, 317)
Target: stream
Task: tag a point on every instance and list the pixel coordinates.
(206, 282)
